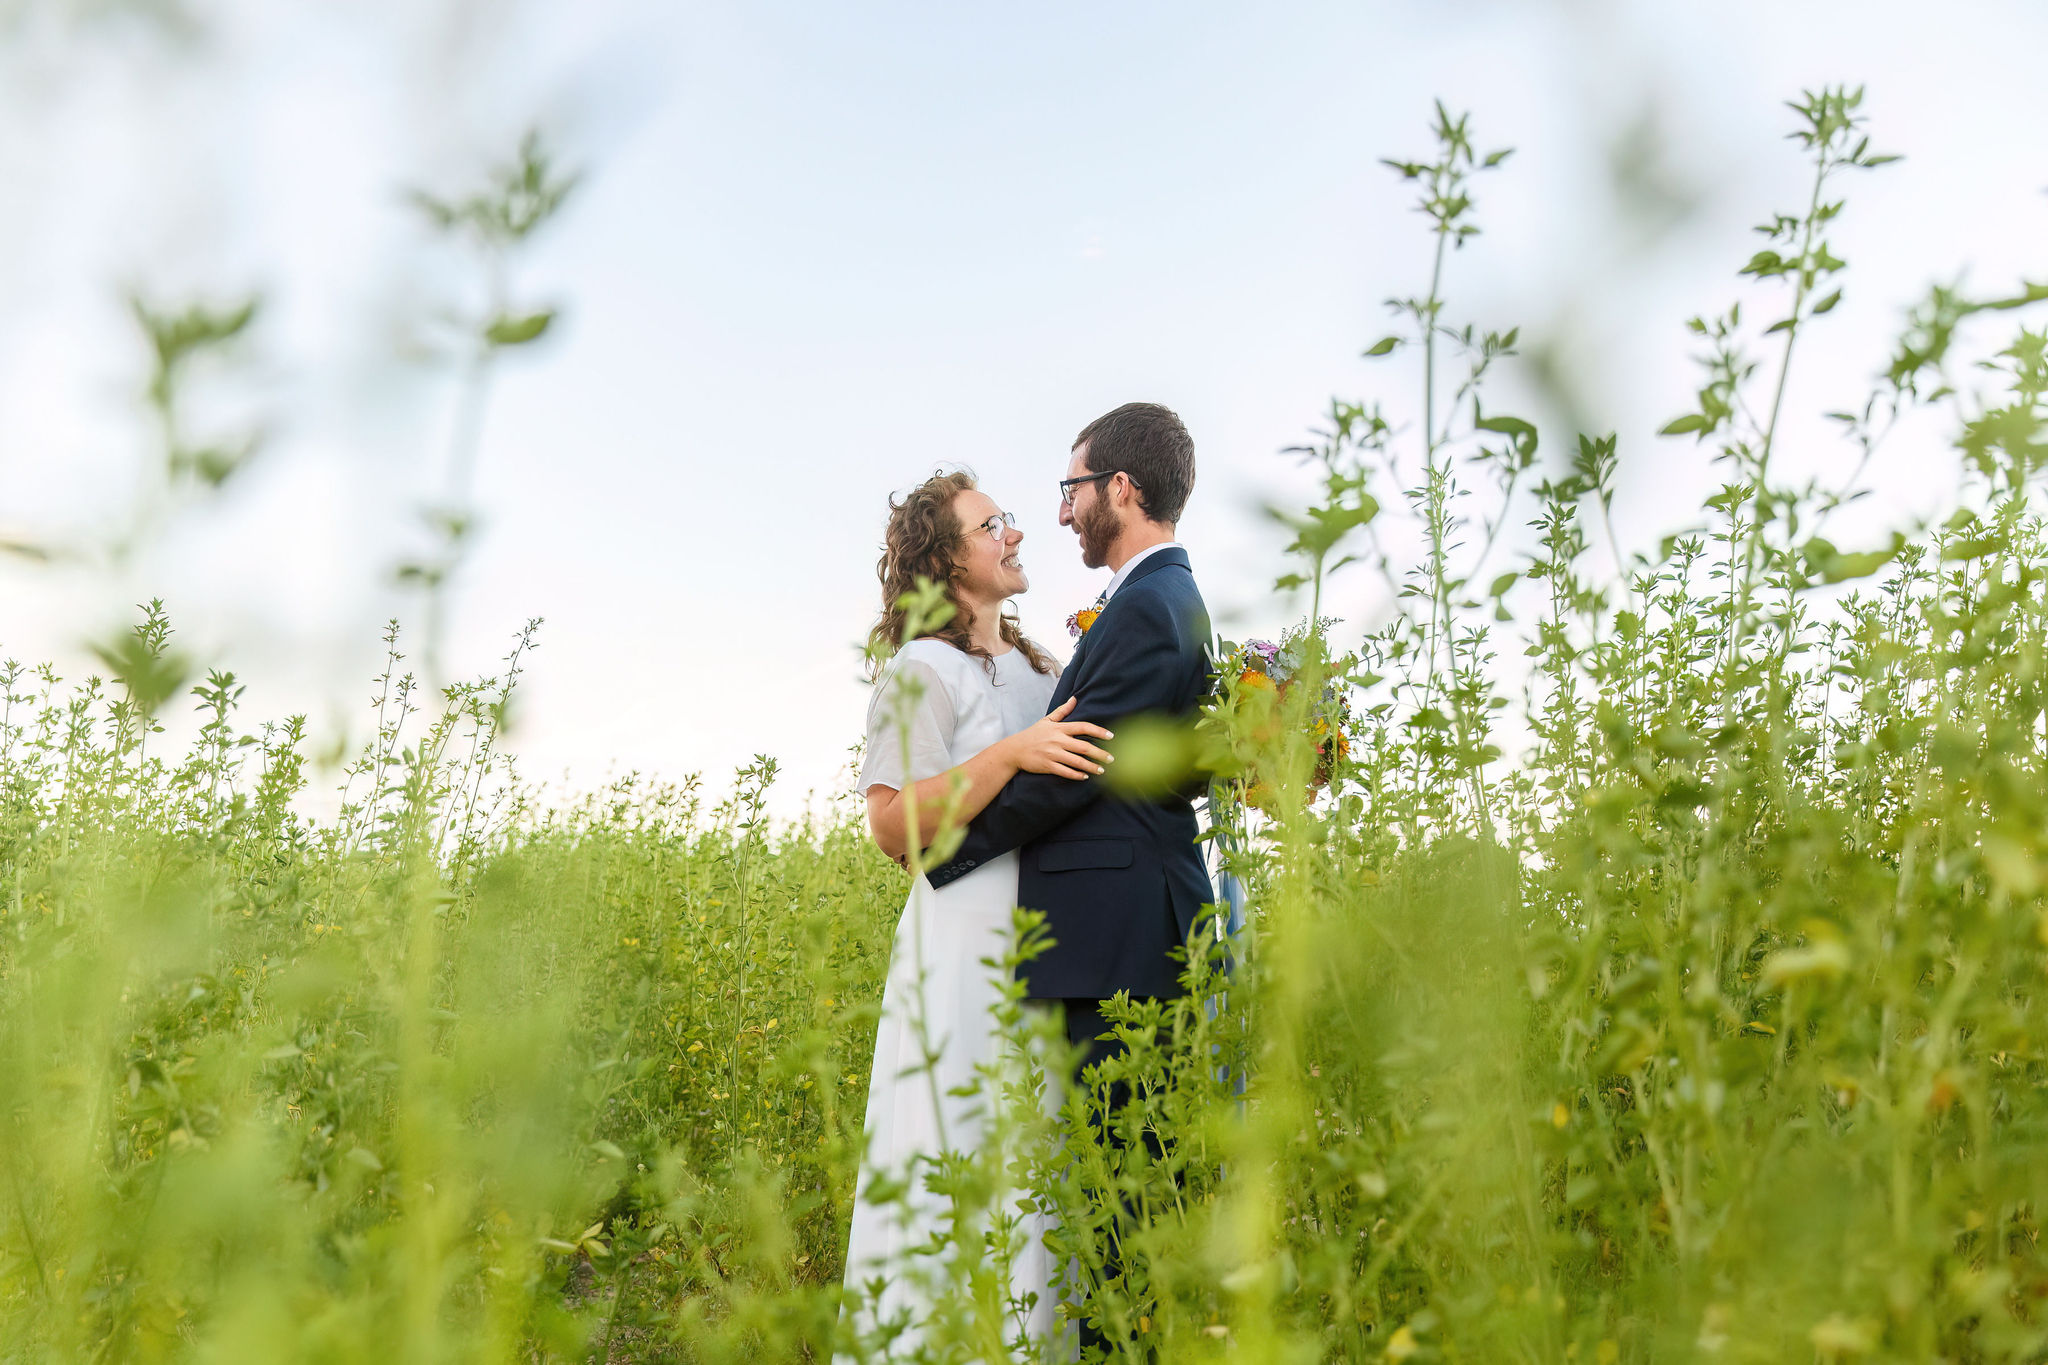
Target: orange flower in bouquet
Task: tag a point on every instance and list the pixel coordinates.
(1258, 677)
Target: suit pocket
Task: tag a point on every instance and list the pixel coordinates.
(1075, 855)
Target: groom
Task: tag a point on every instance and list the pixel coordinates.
(1121, 881)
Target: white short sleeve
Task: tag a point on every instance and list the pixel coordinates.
(912, 692)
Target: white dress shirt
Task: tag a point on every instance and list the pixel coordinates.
(1133, 562)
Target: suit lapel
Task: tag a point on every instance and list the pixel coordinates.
(1070, 676)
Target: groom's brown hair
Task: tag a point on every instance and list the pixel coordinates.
(1147, 442)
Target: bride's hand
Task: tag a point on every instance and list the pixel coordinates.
(1060, 746)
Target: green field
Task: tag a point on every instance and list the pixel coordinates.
(1705, 1024)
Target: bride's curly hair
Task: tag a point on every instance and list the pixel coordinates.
(921, 541)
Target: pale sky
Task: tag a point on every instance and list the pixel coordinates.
(821, 249)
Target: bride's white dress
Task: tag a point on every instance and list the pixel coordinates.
(938, 988)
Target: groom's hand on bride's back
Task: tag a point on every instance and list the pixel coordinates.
(1060, 747)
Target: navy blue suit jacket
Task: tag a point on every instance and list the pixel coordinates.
(1121, 882)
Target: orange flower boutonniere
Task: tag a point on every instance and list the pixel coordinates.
(1078, 623)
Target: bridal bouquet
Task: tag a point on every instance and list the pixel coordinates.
(1255, 681)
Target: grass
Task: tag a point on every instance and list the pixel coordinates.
(1709, 1027)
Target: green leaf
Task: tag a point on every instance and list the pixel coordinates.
(1508, 426)
(1692, 421)
(1827, 304)
(1845, 567)
(2011, 865)
(151, 672)
(1155, 756)
(1382, 346)
(1823, 961)
(507, 330)
(1974, 548)
(1523, 433)
(1826, 564)
(212, 465)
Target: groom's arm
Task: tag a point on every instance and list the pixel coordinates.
(1134, 669)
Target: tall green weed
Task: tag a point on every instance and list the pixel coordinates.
(1707, 1027)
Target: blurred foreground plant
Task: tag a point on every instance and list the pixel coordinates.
(1710, 1028)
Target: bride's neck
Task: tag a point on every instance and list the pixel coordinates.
(984, 622)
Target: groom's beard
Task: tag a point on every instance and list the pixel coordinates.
(1099, 527)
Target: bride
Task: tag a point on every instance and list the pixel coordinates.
(964, 707)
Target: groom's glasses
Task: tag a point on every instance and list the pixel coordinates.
(998, 527)
(1067, 486)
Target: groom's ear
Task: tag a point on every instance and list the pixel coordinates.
(1151, 445)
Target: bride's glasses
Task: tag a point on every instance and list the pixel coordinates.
(997, 527)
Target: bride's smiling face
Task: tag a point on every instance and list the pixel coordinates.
(990, 570)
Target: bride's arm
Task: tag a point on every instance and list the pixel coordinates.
(1053, 745)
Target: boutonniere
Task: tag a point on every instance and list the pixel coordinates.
(1080, 621)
